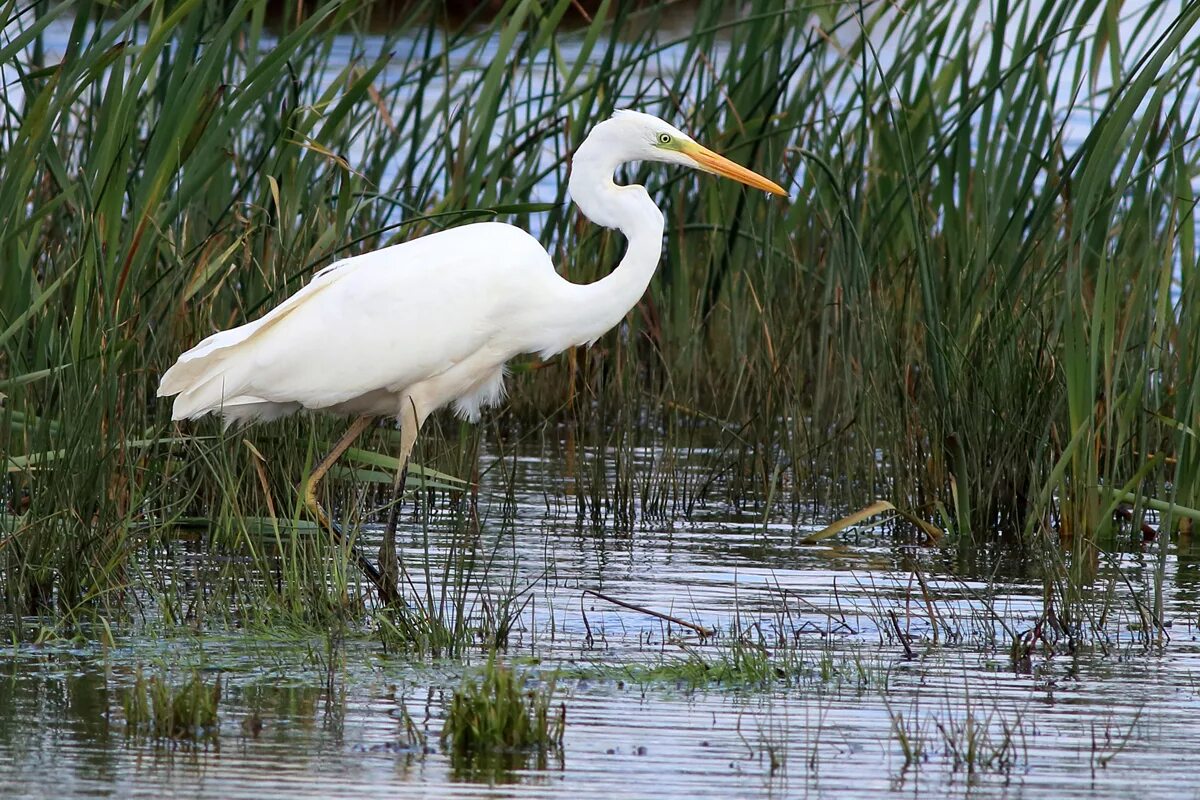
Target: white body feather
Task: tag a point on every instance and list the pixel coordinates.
(369, 333)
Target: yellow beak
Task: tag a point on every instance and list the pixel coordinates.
(709, 161)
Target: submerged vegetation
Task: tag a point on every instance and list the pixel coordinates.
(156, 709)
(495, 723)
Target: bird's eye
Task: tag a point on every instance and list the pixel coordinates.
(664, 138)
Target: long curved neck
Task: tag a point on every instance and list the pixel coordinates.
(594, 308)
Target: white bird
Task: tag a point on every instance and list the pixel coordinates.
(408, 329)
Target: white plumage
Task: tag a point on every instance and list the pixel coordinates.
(432, 321)
(368, 331)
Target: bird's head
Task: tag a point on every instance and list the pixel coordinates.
(636, 136)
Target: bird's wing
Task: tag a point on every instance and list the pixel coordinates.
(197, 360)
(375, 324)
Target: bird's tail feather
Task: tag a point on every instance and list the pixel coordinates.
(212, 378)
(238, 409)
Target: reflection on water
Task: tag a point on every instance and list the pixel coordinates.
(842, 711)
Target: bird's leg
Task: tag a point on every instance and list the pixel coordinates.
(389, 561)
(387, 593)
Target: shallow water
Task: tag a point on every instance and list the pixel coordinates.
(1104, 721)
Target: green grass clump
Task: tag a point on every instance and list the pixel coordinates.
(495, 722)
(156, 709)
(739, 663)
(735, 664)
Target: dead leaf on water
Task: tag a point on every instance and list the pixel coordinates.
(873, 510)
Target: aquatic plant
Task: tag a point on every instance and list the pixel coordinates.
(157, 709)
(496, 721)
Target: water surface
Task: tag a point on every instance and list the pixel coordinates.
(320, 716)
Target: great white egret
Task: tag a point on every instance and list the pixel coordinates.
(403, 331)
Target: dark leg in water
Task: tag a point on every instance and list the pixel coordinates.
(389, 561)
(387, 592)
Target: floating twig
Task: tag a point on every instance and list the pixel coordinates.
(908, 651)
(700, 629)
(933, 618)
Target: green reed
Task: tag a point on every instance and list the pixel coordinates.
(969, 306)
(154, 708)
(494, 724)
